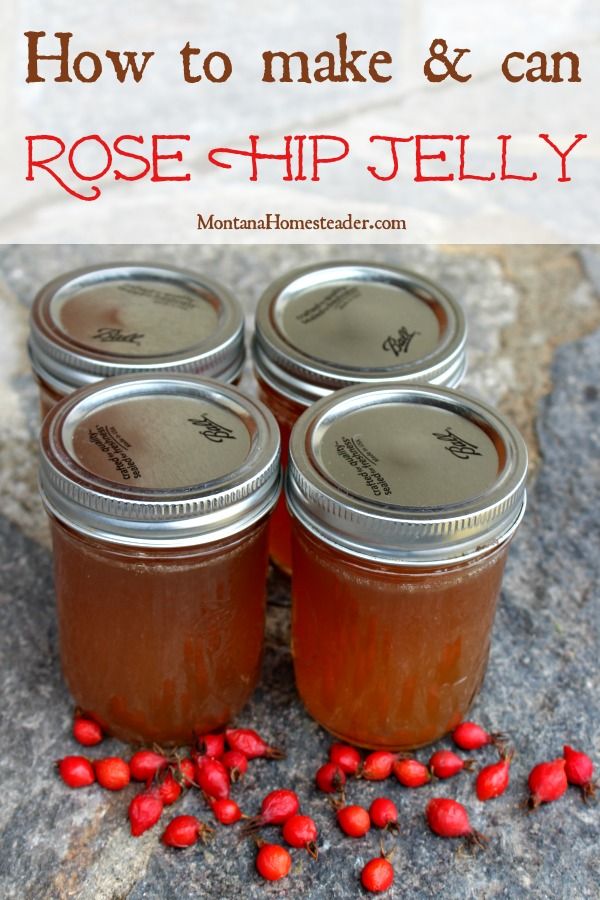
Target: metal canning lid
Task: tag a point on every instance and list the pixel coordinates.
(328, 326)
(411, 474)
(128, 318)
(159, 461)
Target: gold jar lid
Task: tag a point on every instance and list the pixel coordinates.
(128, 318)
(166, 461)
(325, 327)
(408, 474)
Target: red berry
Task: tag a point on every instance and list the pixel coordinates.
(469, 736)
(87, 731)
(384, 813)
(251, 744)
(76, 771)
(226, 811)
(378, 765)
(276, 808)
(301, 832)
(168, 789)
(445, 764)
(330, 778)
(579, 770)
(354, 820)
(112, 773)
(493, 780)
(210, 745)
(144, 811)
(378, 875)
(183, 831)
(279, 806)
(449, 819)
(411, 773)
(145, 764)
(273, 862)
(212, 777)
(346, 757)
(547, 782)
(236, 764)
(186, 771)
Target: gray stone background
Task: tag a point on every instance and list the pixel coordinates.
(534, 317)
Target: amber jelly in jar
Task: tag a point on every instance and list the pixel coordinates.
(328, 326)
(129, 318)
(159, 492)
(404, 502)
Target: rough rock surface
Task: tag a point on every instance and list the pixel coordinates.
(542, 686)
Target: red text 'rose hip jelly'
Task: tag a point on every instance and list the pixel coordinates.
(159, 491)
(125, 318)
(404, 500)
(329, 326)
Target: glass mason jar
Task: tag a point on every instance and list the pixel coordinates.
(331, 325)
(129, 318)
(159, 491)
(404, 501)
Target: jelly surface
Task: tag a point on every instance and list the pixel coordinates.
(157, 644)
(388, 656)
(280, 530)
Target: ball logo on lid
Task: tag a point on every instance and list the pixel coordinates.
(399, 343)
(110, 335)
(458, 447)
(212, 431)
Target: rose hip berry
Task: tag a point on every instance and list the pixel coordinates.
(145, 764)
(346, 757)
(378, 765)
(168, 789)
(493, 780)
(185, 771)
(273, 862)
(445, 764)
(301, 832)
(76, 771)
(212, 777)
(378, 875)
(86, 731)
(210, 745)
(579, 769)
(384, 813)
(276, 808)
(547, 782)
(236, 764)
(449, 819)
(354, 820)
(411, 773)
(226, 811)
(183, 831)
(144, 811)
(112, 773)
(469, 736)
(330, 778)
(251, 744)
